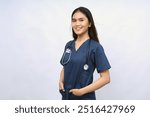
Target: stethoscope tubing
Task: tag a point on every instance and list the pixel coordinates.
(69, 51)
(64, 63)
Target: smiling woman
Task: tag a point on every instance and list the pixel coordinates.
(84, 55)
(80, 24)
(32, 38)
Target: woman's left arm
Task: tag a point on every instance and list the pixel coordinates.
(102, 81)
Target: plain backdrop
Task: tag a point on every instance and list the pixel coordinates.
(33, 34)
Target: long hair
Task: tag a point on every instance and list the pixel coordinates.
(92, 29)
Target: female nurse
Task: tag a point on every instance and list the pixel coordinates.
(81, 57)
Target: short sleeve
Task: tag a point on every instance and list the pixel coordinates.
(101, 61)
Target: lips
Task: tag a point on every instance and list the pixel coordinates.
(78, 28)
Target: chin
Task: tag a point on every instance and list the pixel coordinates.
(79, 33)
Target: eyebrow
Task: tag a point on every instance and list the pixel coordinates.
(78, 18)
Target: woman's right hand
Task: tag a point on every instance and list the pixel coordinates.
(61, 86)
(61, 81)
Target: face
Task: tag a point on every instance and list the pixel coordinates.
(80, 23)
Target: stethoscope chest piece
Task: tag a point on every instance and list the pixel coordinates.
(85, 67)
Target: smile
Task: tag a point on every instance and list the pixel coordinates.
(78, 28)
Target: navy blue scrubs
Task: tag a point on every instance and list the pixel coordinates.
(75, 77)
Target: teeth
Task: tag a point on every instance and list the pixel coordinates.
(78, 28)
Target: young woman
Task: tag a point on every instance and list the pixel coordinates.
(81, 56)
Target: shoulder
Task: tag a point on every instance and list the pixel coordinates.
(96, 45)
(69, 43)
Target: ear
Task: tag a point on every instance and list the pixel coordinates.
(89, 25)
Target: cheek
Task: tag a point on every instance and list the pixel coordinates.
(86, 24)
(72, 26)
(86, 27)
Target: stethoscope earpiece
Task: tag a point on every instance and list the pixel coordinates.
(68, 50)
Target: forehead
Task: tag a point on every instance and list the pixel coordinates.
(78, 15)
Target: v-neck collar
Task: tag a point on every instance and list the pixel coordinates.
(77, 49)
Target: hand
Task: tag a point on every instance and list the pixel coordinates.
(76, 92)
(61, 86)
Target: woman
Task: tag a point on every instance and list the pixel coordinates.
(81, 56)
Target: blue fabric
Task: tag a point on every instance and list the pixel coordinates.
(74, 74)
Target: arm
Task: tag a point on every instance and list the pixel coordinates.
(102, 81)
(61, 80)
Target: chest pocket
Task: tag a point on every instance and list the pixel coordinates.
(66, 56)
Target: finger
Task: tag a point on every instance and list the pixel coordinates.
(71, 91)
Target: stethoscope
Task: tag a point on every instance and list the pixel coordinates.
(68, 52)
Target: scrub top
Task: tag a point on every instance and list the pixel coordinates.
(73, 61)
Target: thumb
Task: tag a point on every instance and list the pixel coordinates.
(71, 91)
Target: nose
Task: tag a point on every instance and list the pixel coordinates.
(77, 23)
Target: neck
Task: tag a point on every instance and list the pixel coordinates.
(82, 37)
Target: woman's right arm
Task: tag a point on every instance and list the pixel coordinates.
(61, 80)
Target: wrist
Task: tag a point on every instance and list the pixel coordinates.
(83, 91)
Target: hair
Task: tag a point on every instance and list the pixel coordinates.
(92, 29)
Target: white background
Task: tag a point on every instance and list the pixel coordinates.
(33, 34)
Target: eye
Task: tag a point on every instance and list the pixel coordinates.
(73, 20)
(81, 19)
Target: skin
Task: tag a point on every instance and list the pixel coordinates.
(80, 25)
